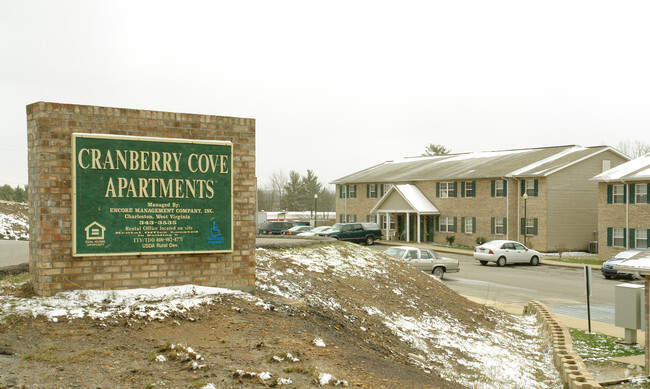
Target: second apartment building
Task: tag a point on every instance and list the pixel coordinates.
(542, 197)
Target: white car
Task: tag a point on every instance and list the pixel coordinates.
(314, 231)
(425, 260)
(503, 252)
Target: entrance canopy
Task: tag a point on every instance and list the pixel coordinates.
(404, 199)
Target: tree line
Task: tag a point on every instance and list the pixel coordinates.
(294, 192)
(17, 194)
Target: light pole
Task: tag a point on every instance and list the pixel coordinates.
(315, 209)
(525, 216)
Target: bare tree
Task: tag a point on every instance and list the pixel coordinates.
(278, 181)
(633, 149)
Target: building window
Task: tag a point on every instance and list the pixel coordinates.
(619, 237)
(352, 191)
(372, 191)
(529, 226)
(469, 225)
(447, 189)
(619, 194)
(447, 224)
(641, 195)
(347, 218)
(392, 223)
(607, 164)
(385, 188)
(468, 189)
(499, 188)
(371, 218)
(499, 226)
(530, 188)
(641, 239)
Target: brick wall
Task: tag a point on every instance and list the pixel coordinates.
(614, 216)
(52, 266)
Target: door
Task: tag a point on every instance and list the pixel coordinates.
(400, 226)
(429, 223)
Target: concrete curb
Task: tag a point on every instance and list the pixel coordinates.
(572, 369)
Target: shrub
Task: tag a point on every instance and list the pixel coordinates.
(450, 239)
(480, 240)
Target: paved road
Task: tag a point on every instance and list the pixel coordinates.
(13, 252)
(561, 289)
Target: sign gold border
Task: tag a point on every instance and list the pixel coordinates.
(143, 139)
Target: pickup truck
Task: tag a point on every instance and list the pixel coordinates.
(366, 233)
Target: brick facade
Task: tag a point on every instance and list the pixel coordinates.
(483, 207)
(52, 266)
(626, 215)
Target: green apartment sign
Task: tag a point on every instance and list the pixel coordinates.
(135, 195)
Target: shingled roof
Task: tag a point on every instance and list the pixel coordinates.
(533, 162)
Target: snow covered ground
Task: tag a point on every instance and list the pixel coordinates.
(514, 353)
(14, 223)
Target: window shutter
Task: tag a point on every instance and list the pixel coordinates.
(610, 232)
(454, 229)
(376, 190)
(632, 240)
(355, 191)
(340, 191)
(624, 195)
(536, 188)
(647, 192)
(455, 189)
(632, 190)
(473, 225)
(505, 188)
(505, 225)
(462, 189)
(624, 237)
(523, 187)
(462, 224)
(610, 194)
(347, 191)
(437, 189)
(367, 191)
(535, 227)
(492, 188)
(473, 188)
(492, 226)
(382, 190)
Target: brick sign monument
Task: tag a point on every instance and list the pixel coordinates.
(123, 198)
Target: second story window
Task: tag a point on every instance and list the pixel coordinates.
(447, 189)
(619, 194)
(641, 195)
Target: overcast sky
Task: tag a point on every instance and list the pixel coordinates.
(339, 86)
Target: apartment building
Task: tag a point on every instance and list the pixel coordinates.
(542, 197)
(624, 207)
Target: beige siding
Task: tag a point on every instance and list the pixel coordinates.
(573, 203)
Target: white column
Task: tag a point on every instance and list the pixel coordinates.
(408, 227)
(419, 226)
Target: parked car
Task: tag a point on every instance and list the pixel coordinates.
(273, 228)
(607, 269)
(425, 260)
(354, 232)
(295, 230)
(315, 231)
(503, 252)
